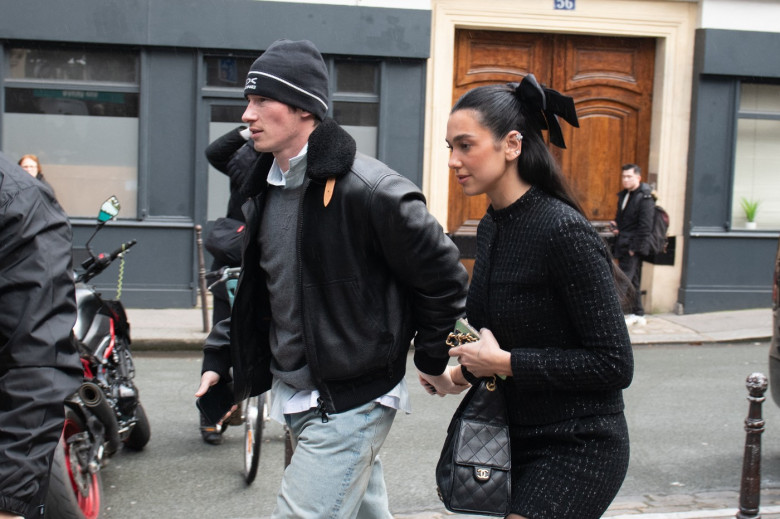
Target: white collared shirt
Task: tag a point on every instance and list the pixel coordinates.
(293, 177)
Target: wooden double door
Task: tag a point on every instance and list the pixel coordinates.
(611, 81)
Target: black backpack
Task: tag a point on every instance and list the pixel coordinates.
(658, 240)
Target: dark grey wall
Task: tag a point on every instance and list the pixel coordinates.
(220, 24)
(173, 97)
(171, 36)
(402, 118)
(723, 269)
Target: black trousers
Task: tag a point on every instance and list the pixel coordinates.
(632, 268)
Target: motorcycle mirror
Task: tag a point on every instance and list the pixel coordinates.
(108, 210)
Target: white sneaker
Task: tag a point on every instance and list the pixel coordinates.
(633, 319)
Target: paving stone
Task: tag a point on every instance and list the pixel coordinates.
(628, 503)
(723, 499)
(669, 499)
(613, 513)
(668, 509)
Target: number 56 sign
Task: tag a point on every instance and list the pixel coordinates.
(566, 5)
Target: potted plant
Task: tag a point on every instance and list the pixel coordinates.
(750, 207)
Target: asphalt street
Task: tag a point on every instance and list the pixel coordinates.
(686, 410)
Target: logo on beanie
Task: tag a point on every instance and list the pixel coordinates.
(251, 83)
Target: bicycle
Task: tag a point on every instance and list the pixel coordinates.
(252, 412)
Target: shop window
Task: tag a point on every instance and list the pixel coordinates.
(757, 156)
(356, 102)
(225, 116)
(77, 110)
(227, 71)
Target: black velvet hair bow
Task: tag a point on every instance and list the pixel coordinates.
(544, 104)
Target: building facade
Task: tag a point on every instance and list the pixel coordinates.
(686, 89)
(123, 97)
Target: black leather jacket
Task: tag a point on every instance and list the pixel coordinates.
(376, 271)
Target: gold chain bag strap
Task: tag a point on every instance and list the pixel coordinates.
(473, 472)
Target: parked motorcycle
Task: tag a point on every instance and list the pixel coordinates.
(106, 411)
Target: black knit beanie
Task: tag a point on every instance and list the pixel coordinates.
(293, 73)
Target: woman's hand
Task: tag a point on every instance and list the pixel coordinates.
(441, 384)
(484, 358)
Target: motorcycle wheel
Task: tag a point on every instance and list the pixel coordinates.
(253, 411)
(141, 432)
(74, 492)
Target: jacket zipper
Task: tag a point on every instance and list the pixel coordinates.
(322, 406)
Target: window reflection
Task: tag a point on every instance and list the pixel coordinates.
(72, 65)
(77, 110)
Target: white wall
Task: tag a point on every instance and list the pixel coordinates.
(740, 15)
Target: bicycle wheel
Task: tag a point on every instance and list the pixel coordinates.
(252, 412)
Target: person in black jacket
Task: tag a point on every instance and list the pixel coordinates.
(632, 225)
(39, 364)
(544, 300)
(343, 266)
(232, 155)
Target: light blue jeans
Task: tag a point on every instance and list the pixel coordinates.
(335, 471)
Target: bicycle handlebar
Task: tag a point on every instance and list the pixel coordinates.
(224, 274)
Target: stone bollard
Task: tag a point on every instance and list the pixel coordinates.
(750, 489)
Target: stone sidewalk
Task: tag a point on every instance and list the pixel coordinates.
(182, 328)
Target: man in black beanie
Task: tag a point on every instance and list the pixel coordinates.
(343, 266)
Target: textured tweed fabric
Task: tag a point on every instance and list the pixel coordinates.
(543, 284)
(568, 470)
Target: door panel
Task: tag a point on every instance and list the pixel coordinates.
(610, 80)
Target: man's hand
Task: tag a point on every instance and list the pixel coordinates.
(208, 379)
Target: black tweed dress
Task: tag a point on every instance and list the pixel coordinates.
(543, 284)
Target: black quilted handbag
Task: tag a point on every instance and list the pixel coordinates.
(473, 472)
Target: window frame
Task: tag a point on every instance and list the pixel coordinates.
(741, 114)
(124, 87)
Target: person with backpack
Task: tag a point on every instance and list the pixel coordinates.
(233, 155)
(632, 228)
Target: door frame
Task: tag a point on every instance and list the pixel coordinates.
(671, 23)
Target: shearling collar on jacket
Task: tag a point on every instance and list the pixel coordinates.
(331, 154)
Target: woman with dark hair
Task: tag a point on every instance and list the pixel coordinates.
(544, 299)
